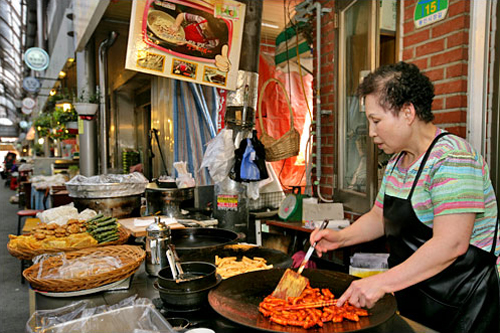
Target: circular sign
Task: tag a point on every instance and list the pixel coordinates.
(36, 59)
(31, 84)
(29, 103)
(26, 111)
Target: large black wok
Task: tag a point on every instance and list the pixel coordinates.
(238, 298)
(273, 257)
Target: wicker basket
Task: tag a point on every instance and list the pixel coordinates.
(286, 146)
(130, 256)
(27, 254)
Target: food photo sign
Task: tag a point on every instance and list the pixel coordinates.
(197, 40)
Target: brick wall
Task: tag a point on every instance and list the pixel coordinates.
(328, 99)
(441, 51)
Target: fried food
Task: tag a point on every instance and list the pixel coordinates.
(313, 307)
(230, 266)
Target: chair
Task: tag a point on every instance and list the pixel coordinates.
(25, 213)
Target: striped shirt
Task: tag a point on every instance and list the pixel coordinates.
(455, 179)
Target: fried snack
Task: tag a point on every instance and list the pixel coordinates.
(313, 307)
(229, 266)
(32, 242)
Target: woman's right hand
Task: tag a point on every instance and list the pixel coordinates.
(327, 239)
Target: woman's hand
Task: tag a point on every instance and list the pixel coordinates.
(327, 239)
(364, 292)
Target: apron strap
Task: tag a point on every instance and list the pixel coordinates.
(424, 160)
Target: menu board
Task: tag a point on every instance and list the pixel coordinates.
(191, 40)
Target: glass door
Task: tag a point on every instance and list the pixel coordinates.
(356, 58)
(366, 38)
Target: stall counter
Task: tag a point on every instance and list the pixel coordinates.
(142, 286)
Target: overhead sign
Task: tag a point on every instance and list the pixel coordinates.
(28, 103)
(31, 84)
(190, 40)
(430, 11)
(36, 59)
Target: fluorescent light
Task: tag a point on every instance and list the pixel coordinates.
(270, 25)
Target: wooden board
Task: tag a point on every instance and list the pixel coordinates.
(140, 231)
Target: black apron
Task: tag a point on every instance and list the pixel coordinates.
(464, 297)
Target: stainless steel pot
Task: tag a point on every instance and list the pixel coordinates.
(119, 207)
(168, 200)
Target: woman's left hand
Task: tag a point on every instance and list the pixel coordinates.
(364, 292)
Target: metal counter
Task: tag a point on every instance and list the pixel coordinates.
(142, 285)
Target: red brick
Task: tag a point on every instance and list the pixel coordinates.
(430, 47)
(451, 87)
(448, 57)
(408, 27)
(437, 104)
(458, 130)
(450, 117)
(420, 63)
(456, 101)
(417, 37)
(459, 7)
(449, 25)
(456, 70)
(409, 10)
(434, 74)
(409, 53)
(459, 38)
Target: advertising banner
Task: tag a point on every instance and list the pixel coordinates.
(191, 40)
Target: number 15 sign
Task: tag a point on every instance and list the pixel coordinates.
(429, 11)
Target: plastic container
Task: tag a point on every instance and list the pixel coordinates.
(136, 318)
(367, 264)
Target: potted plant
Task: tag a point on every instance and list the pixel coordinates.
(87, 104)
(43, 124)
(68, 118)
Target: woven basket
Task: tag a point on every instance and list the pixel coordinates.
(130, 256)
(27, 254)
(286, 146)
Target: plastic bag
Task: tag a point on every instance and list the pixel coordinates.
(128, 315)
(219, 155)
(184, 178)
(80, 267)
(250, 161)
(249, 169)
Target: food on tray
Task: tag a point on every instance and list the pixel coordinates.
(103, 228)
(74, 234)
(230, 266)
(30, 242)
(81, 267)
(313, 307)
(44, 230)
(160, 24)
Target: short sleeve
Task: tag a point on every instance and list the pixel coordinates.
(457, 184)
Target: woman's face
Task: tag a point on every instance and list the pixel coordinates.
(389, 132)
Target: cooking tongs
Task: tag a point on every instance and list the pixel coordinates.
(175, 265)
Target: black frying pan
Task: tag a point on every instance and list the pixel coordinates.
(238, 298)
(195, 241)
(273, 257)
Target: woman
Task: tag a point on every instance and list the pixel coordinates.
(437, 208)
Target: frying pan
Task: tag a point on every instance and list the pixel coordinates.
(194, 241)
(238, 298)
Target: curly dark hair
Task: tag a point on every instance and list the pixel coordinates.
(400, 84)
